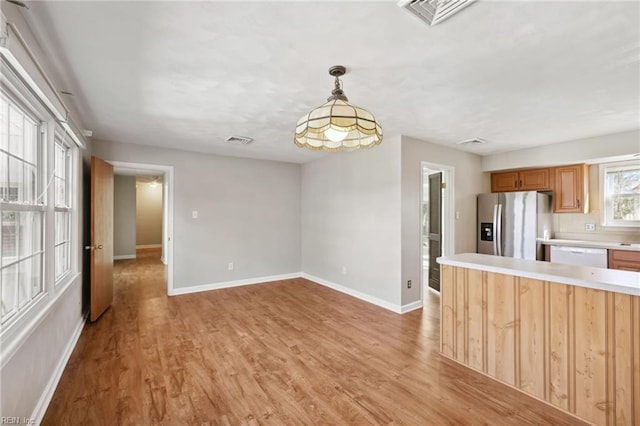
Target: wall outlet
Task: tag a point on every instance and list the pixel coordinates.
(409, 284)
(589, 226)
(344, 270)
(194, 214)
(230, 266)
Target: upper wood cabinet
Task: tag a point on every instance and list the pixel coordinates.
(571, 194)
(522, 180)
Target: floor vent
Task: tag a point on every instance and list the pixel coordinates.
(434, 11)
(240, 140)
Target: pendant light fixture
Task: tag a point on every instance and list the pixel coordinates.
(338, 125)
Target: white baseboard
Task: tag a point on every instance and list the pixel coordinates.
(144, 246)
(124, 256)
(163, 260)
(228, 284)
(355, 293)
(45, 398)
(411, 306)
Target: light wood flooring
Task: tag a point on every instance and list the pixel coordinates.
(287, 352)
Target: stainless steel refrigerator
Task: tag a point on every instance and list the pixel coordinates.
(509, 224)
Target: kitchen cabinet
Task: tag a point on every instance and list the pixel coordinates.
(522, 180)
(624, 259)
(571, 346)
(571, 189)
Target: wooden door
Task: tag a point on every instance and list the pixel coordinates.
(101, 293)
(435, 229)
(504, 181)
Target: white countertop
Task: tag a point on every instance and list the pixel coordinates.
(593, 244)
(615, 280)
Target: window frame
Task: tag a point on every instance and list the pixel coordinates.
(605, 199)
(68, 207)
(16, 329)
(37, 205)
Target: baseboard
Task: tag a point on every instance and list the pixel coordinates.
(228, 284)
(124, 256)
(411, 306)
(355, 293)
(45, 398)
(144, 246)
(163, 260)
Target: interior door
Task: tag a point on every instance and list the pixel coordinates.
(435, 229)
(101, 292)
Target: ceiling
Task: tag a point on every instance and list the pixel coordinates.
(187, 75)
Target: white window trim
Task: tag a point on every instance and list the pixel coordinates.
(604, 203)
(20, 326)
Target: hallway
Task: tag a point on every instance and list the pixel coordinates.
(288, 352)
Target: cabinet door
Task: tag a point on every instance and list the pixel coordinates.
(625, 260)
(534, 180)
(502, 182)
(570, 189)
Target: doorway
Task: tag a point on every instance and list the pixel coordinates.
(436, 224)
(145, 189)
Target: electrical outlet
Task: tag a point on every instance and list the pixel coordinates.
(194, 214)
(230, 266)
(409, 284)
(344, 270)
(589, 226)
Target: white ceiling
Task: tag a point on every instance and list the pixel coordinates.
(188, 74)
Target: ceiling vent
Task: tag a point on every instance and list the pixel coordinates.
(434, 11)
(239, 140)
(474, 141)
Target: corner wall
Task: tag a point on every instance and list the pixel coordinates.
(124, 217)
(468, 181)
(148, 214)
(351, 219)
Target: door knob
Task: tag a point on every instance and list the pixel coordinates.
(98, 247)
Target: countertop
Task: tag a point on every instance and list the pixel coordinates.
(614, 280)
(591, 244)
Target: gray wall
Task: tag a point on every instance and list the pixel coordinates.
(351, 218)
(26, 377)
(249, 213)
(148, 214)
(124, 216)
(469, 181)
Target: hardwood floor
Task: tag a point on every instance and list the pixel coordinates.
(288, 352)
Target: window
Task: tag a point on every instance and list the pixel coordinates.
(62, 241)
(21, 233)
(620, 183)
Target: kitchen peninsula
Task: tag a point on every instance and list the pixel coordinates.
(567, 335)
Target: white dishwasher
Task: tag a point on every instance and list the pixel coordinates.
(596, 257)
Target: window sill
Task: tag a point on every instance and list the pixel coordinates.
(18, 331)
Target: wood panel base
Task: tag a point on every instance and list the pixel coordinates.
(577, 349)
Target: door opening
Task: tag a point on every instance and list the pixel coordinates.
(147, 223)
(436, 236)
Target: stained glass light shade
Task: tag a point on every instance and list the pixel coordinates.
(338, 125)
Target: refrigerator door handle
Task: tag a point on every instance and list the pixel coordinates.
(495, 230)
(498, 224)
